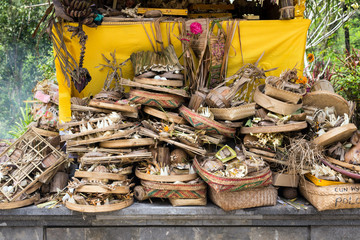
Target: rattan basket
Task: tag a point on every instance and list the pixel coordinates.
(273, 104)
(204, 123)
(171, 178)
(234, 113)
(331, 197)
(167, 116)
(164, 100)
(102, 208)
(283, 95)
(337, 134)
(255, 197)
(223, 184)
(322, 99)
(149, 189)
(177, 202)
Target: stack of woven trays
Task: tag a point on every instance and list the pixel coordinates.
(181, 190)
(238, 193)
(100, 189)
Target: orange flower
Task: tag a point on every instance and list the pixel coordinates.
(310, 57)
(301, 80)
(166, 128)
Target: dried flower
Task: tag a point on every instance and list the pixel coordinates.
(196, 28)
(310, 57)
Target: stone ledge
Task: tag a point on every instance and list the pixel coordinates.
(162, 213)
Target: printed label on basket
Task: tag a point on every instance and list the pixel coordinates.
(347, 200)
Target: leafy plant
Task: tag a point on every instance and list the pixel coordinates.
(21, 126)
(346, 79)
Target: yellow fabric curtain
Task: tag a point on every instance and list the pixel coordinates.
(282, 41)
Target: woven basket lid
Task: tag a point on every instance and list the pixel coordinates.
(273, 104)
(322, 99)
(337, 134)
(167, 116)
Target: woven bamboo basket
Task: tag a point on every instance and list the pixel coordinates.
(255, 197)
(234, 113)
(273, 104)
(176, 202)
(102, 208)
(204, 123)
(171, 178)
(167, 116)
(289, 127)
(158, 82)
(125, 143)
(322, 99)
(19, 204)
(164, 100)
(216, 98)
(331, 197)
(337, 134)
(223, 184)
(217, 50)
(112, 106)
(100, 175)
(283, 95)
(100, 189)
(150, 189)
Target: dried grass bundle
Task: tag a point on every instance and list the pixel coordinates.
(302, 155)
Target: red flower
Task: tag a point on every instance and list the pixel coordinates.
(196, 28)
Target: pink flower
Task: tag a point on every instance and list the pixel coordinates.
(196, 28)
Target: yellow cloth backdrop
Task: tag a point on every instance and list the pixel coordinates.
(282, 41)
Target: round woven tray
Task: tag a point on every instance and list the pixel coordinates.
(219, 184)
(167, 116)
(234, 113)
(158, 82)
(103, 208)
(273, 104)
(322, 99)
(164, 100)
(290, 127)
(337, 134)
(204, 123)
(19, 204)
(125, 143)
(112, 106)
(100, 175)
(172, 186)
(98, 189)
(283, 95)
(176, 202)
(171, 178)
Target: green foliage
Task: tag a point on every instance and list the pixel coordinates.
(347, 76)
(21, 126)
(23, 60)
